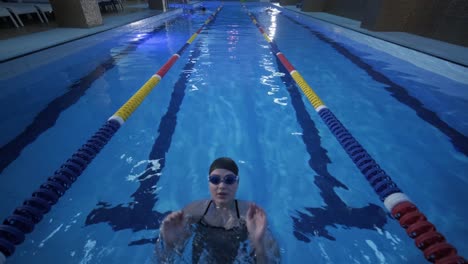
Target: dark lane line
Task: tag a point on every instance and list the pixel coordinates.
(458, 139)
(336, 212)
(47, 117)
(138, 214)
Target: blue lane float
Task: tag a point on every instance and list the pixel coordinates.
(377, 178)
(427, 239)
(25, 217)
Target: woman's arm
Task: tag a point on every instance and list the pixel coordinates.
(194, 211)
(172, 237)
(175, 230)
(265, 247)
(268, 250)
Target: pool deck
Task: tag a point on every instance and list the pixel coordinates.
(443, 50)
(20, 46)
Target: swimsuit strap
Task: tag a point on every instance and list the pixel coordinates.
(237, 209)
(208, 207)
(211, 201)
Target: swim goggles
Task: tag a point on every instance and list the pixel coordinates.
(228, 179)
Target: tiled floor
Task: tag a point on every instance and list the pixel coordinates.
(8, 31)
(32, 24)
(35, 37)
(38, 37)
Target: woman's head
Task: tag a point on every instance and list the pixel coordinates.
(223, 180)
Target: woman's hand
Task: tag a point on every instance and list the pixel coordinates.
(174, 229)
(256, 225)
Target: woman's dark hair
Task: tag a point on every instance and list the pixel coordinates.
(224, 163)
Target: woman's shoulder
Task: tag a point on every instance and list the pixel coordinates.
(196, 208)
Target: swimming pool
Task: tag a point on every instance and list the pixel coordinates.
(227, 95)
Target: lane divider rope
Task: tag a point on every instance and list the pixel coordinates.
(427, 239)
(31, 212)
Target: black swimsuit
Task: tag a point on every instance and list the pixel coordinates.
(221, 245)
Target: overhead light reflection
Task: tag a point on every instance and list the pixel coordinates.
(137, 23)
(272, 29)
(138, 37)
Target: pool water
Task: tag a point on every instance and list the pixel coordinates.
(228, 95)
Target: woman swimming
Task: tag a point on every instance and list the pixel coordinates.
(221, 224)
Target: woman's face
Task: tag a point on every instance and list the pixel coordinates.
(223, 193)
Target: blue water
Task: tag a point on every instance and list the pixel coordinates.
(227, 95)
